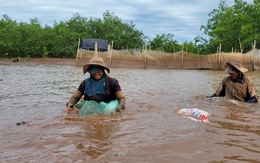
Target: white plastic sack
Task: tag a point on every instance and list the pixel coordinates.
(194, 114)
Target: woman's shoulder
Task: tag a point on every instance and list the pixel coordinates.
(226, 78)
(248, 79)
(112, 80)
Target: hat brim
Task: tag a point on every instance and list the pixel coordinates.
(94, 69)
(86, 67)
(229, 70)
(241, 69)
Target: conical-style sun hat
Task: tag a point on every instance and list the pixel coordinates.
(95, 61)
(234, 63)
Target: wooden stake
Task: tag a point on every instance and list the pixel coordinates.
(254, 56)
(96, 52)
(77, 53)
(219, 56)
(111, 50)
(182, 56)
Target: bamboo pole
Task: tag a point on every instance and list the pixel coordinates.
(111, 51)
(110, 48)
(144, 56)
(254, 56)
(241, 50)
(77, 53)
(219, 56)
(182, 56)
(96, 52)
(198, 60)
(108, 54)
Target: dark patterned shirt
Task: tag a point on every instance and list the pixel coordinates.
(98, 94)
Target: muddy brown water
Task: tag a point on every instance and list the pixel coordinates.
(147, 131)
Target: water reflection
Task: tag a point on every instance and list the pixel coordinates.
(99, 135)
(95, 132)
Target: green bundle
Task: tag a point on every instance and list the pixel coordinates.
(92, 107)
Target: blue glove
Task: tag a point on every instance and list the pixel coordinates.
(252, 100)
(213, 95)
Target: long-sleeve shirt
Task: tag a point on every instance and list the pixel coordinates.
(237, 90)
(102, 90)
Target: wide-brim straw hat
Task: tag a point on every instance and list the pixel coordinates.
(96, 61)
(237, 64)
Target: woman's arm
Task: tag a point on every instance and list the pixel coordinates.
(121, 99)
(74, 99)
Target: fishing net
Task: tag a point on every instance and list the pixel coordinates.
(94, 108)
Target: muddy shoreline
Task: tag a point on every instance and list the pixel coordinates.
(134, 64)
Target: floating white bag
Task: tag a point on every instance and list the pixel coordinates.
(194, 114)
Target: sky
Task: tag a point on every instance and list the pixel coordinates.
(182, 18)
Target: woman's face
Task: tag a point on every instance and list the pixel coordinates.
(98, 75)
(233, 75)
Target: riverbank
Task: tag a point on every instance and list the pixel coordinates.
(116, 63)
(41, 61)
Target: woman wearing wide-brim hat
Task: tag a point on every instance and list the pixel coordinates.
(236, 85)
(99, 86)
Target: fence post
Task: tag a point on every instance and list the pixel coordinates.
(219, 57)
(254, 56)
(96, 52)
(77, 57)
(182, 56)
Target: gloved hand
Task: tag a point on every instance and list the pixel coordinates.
(213, 95)
(119, 108)
(68, 104)
(74, 99)
(252, 100)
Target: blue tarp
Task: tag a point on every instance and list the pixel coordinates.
(89, 44)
